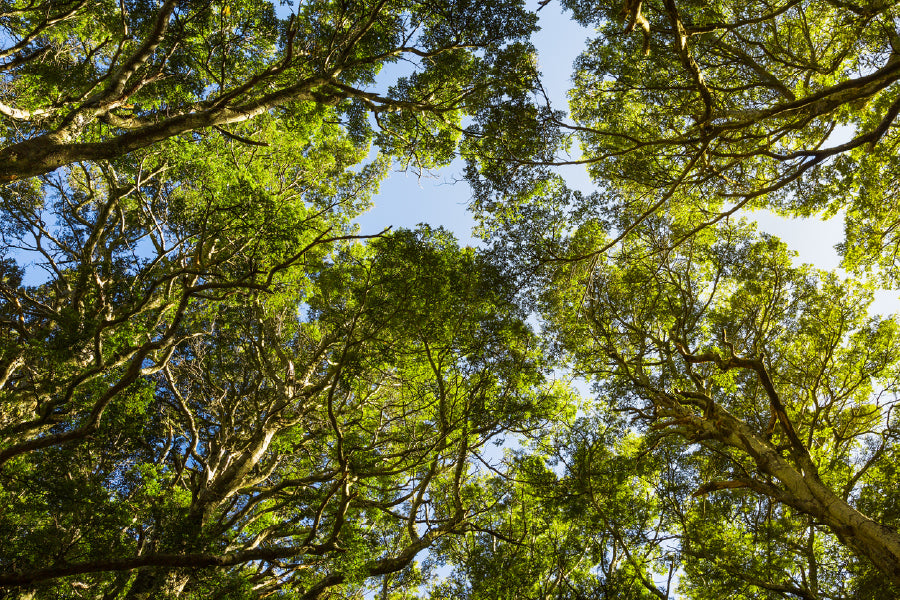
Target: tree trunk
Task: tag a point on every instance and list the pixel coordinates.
(801, 490)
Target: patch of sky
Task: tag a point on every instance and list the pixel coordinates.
(441, 197)
(815, 242)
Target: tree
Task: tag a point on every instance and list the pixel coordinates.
(275, 451)
(718, 107)
(88, 81)
(135, 245)
(776, 390)
(578, 516)
(215, 390)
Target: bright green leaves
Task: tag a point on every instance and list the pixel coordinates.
(133, 247)
(157, 72)
(265, 208)
(221, 385)
(337, 417)
(864, 185)
(704, 346)
(733, 88)
(457, 309)
(571, 519)
(789, 106)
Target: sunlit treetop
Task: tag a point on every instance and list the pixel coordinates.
(790, 105)
(90, 81)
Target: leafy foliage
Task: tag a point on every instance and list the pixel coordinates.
(713, 107)
(89, 81)
(212, 387)
(767, 386)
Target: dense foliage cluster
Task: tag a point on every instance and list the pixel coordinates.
(212, 385)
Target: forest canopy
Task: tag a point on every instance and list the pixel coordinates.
(214, 384)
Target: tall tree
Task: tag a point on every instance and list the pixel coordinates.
(285, 450)
(211, 390)
(126, 248)
(87, 81)
(217, 390)
(790, 105)
(779, 389)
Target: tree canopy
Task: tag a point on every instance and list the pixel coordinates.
(87, 81)
(214, 385)
(715, 107)
(777, 389)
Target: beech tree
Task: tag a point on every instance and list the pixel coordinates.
(720, 107)
(755, 379)
(134, 245)
(212, 391)
(88, 81)
(217, 390)
(277, 450)
(772, 389)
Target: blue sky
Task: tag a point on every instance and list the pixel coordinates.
(441, 198)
